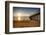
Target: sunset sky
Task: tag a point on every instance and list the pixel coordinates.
(24, 11)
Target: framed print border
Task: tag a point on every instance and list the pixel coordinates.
(7, 17)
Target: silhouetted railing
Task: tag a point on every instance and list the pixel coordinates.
(35, 17)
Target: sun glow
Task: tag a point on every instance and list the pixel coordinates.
(19, 16)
